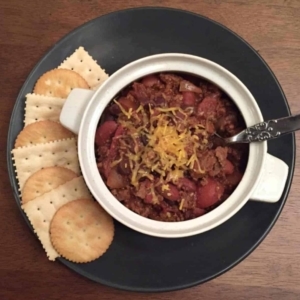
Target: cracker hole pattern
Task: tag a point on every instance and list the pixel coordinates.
(72, 69)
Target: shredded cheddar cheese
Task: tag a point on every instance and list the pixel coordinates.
(165, 187)
(168, 152)
(181, 204)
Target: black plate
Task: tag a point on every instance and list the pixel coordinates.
(135, 261)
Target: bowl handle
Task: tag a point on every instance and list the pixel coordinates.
(272, 182)
(74, 107)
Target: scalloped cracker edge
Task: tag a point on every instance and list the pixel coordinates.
(42, 132)
(82, 63)
(30, 159)
(45, 180)
(81, 231)
(41, 210)
(41, 108)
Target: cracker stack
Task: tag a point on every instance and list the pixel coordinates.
(55, 198)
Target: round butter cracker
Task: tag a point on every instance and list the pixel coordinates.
(81, 231)
(42, 132)
(44, 181)
(59, 83)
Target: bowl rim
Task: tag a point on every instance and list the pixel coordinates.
(169, 62)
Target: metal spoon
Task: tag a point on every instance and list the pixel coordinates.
(265, 131)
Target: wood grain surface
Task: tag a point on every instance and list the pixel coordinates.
(28, 29)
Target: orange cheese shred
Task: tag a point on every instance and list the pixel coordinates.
(166, 150)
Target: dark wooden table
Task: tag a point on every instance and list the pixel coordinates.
(28, 29)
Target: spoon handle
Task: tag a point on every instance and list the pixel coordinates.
(267, 130)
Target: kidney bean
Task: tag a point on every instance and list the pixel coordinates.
(207, 105)
(228, 167)
(189, 99)
(119, 131)
(150, 80)
(115, 180)
(234, 178)
(140, 93)
(209, 194)
(169, 191)
(124, 166)
(186, 185)
(114, 109)
(148, 198)
(105, 132)
(159, 101)
(128, 103)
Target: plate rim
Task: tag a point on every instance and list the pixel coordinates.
(12, 175)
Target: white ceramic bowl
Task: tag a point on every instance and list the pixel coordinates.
(263, 180)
